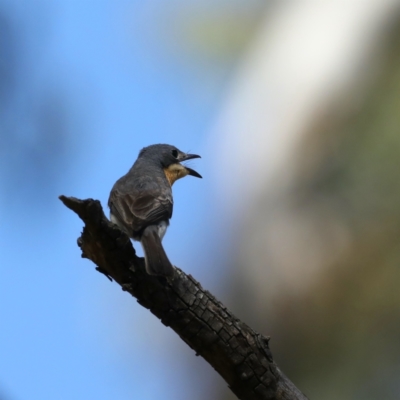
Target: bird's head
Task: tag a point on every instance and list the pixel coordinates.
(170, 158)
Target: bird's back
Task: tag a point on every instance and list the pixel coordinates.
(140, 198)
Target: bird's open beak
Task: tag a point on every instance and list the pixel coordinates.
(185, 157)
(193, 172)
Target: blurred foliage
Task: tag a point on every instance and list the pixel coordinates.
(201, 32)
(223, 34)
(339, 337)
(346, 328)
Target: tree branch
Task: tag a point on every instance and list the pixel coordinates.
(240, 355)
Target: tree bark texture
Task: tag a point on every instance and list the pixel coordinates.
(238, 353)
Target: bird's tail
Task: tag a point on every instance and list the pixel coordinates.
(157, 262)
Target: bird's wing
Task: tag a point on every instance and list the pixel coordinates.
(139, 209)
(151, 207)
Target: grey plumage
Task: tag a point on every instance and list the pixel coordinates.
(141, 202)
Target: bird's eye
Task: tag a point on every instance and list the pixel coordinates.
(175, 153)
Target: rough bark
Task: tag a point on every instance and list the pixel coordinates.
(238, 353)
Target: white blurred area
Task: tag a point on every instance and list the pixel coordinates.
(306, 158)
(306, 55)
(309, 61)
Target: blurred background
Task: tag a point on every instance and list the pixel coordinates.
(295, 109)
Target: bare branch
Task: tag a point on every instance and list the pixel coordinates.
(239, 354)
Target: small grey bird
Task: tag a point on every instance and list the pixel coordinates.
(141, 201)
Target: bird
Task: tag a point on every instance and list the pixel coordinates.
(141, 201)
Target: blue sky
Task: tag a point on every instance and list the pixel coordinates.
(89, 84)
